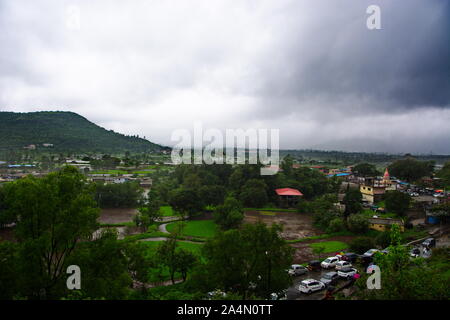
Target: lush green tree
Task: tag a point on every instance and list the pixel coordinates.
(251, 260)
(150, 212)
(444, 174)
(411, 169)
(229, 215)
(105, 267)
(361, 244)
(119, 195)
(184, 262)
(175, 259)
(9, 276)
(336, 225)
(53, 214)
(286, 165)
(352, 201)
(365, 169)
(324, 210)
(358, 223)
(186, 202)
(383, 239)
(254, 193)
(6, 216)
(405, 279)
(212, 195)
(311, 183)
(397, 202)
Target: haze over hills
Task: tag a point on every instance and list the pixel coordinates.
(66, 131)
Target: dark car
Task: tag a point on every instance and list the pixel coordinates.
(429, 243)
(350, 256)
(314, 265)
(365, 260)
(330, 278)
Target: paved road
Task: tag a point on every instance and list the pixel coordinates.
(162, 228)
(294, 294)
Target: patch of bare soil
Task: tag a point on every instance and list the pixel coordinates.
(117, 215)
(295, 225)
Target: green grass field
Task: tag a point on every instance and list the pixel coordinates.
(166, 211)
(330, 246)
(195, 228)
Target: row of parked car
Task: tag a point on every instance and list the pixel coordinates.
(343, 265)
(327, 279)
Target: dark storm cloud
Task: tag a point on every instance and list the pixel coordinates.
(401, 67)
(310, 68)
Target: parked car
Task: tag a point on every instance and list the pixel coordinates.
(343, 264)
(347, 273)
(350, 256)
(310, 285)
(282, 295)
(314, 265)
(429, 243)
(329, 262)
(370, 253)
(329, 278)
(415, 252)
(297, 270)
(366, 260)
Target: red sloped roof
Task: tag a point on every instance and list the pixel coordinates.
(288, 192)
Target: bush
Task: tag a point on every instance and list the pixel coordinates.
(336, 225)
(361, 244)
(358, 223)
(383, 239)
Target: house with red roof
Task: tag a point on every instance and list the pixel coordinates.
(288, 197)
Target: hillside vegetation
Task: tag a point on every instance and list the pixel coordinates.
(67, 131)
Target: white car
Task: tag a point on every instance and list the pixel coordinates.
(310, 285)
(329, 262)
(343, 264)
(370, 253)
(347, 273)
(297, 270)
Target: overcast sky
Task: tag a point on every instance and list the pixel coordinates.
(309, 68)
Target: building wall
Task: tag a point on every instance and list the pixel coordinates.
(383, 227)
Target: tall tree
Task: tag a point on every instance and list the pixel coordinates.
(397, 202)
(53, 214)
(229, 215)
(249, 261)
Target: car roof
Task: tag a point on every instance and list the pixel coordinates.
(309, 280)
(296, 265)
(331, 273)
(346, 269)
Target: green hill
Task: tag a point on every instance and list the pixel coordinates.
(66, 131)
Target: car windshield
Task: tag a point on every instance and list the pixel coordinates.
(327, 260)
(328, 276)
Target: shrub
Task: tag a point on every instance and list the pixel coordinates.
(358, 223)
(361, 244)
(383, 239)
(336, 225)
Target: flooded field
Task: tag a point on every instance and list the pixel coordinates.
(295, 225)
(117, 215)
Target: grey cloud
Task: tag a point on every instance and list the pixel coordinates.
(310, 68)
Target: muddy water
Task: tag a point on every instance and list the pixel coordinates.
(117, 215)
